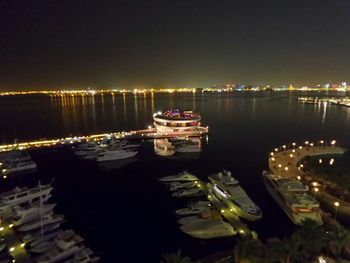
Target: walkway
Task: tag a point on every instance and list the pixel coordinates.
(284, 161)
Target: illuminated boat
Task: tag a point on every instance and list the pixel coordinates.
(177, 123)
(227, 189)
(292, 196)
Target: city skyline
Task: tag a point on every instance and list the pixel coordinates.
(172, 44)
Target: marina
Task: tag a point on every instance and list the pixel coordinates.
(79, 176)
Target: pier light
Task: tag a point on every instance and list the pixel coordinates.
(286, 168)
(306, 142)
(149, 127)
(11, 225)
(336, 205)
(12, 249)
(279, 165)
(333, 142)
(299, 177)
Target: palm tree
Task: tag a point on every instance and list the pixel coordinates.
(313, 240)
(337, 239)
(248, 249)
(175, 258)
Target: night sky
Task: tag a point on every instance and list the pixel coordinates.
(156, 43)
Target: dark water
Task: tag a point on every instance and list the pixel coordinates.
(124, 213)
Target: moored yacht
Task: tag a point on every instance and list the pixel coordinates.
(208, 229)
(227, 189)
(22, 217)
(20, 166)
(177, 185)
(163, 147)
(20, 195)
(111, 155)
(66, 245)
(39, 222)
(292, 196)
(192, 210)
(187, 192)
(181, 177)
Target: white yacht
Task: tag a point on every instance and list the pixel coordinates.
(25, 214)
(181, 177)
(34, 208)
(208, 229)
(67, 245)
(194, 209)
(18, 166)
(206, 215)
(187, 192)
(163, 147)
(39, 222)
(227, 190)
(292, 196)
(14, 155)
(22, 195)
(178, 185)
(111, 155)
(42, 238)
(192, 219)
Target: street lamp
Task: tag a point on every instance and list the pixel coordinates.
(336, 205)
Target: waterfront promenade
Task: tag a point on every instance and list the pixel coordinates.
(286, 161)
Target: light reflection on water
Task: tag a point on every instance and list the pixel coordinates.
(243, 113)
